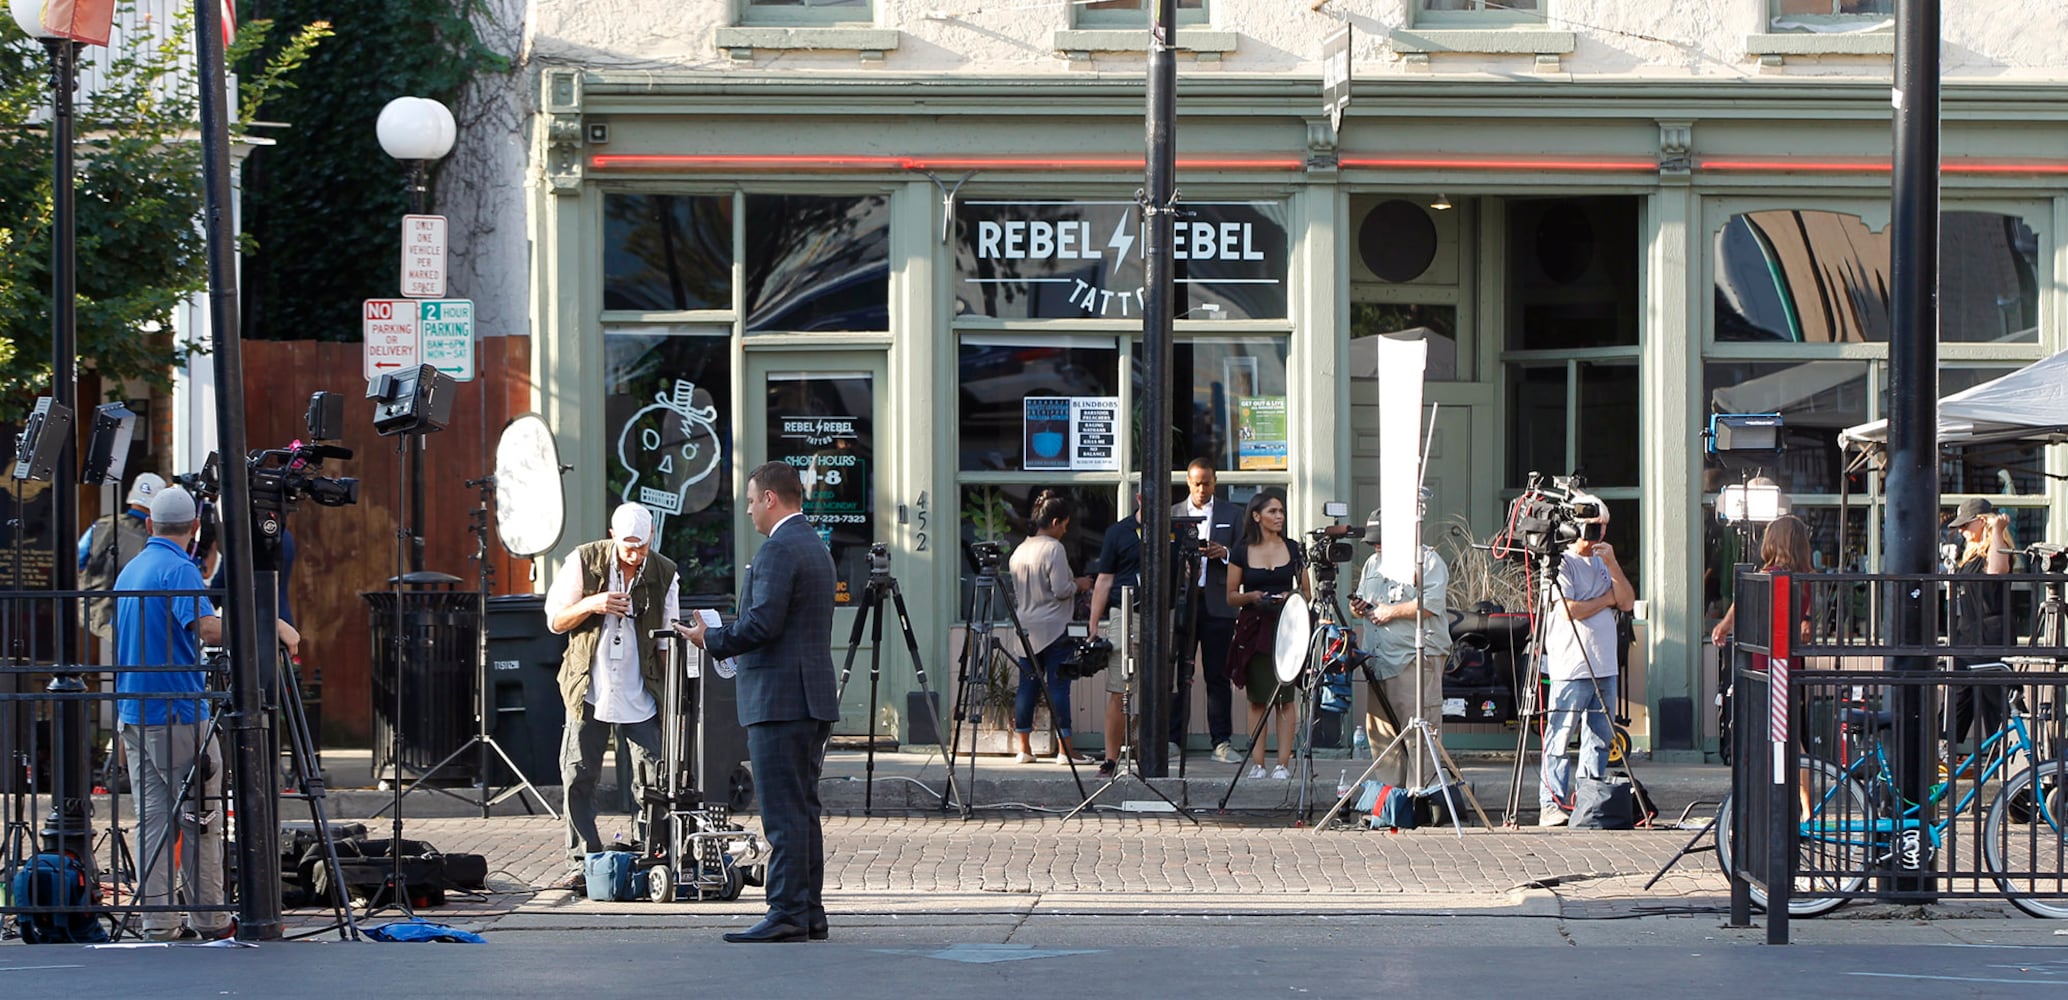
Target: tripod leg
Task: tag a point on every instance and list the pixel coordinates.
(897, 597)
(854, 645)
(1256, 737)
(872, 607)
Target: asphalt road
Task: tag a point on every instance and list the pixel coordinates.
(1079, 962)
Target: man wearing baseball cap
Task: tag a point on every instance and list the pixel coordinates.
(103, 553)
(1387, 608)
(608, 599)
(163, 736)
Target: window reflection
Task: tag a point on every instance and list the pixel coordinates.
(1001, 512)
(817, 263)
(664, 252)
(1815, 399)
(1823, 277)
(1572, 266)
(996, 377)
(1228, 404)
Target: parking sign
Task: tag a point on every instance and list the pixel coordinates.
(446, 327)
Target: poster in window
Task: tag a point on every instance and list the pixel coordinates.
(1046, 424)
(669, 448)
(1260, 433)
(1094, 433)
(821, 424)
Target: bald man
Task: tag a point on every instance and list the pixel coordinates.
(607, 598)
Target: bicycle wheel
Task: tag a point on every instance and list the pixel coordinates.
(2025, 840)
(1834, 846)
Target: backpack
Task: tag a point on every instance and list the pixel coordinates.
(1392, 808)
(1603, 804)
(57, 880)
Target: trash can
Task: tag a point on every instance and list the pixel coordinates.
(524, 684)
(436, 655)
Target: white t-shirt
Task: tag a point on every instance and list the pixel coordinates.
(616, 689)
(1572, 648)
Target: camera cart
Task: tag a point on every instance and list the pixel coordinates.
(701, 853)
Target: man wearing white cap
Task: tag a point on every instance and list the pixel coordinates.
(162, 737)
(103, 553)
(608, 598)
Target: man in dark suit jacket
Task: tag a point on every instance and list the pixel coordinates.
(783, 641)
(1216, 620)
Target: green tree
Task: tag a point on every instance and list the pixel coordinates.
(324, 203)
(137, 181)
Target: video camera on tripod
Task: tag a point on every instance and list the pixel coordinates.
(280, 478)
(1552, 513)
(2046, 557)
(1329, 545)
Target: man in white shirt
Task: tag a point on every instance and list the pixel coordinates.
(1580, 662)
(608, 598)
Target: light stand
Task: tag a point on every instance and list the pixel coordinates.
(484, 738)
(1128, 765)
(419, 132)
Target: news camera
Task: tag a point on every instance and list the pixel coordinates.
(879, 560)
(1329, 545)
(281, 478)
(984, 556)
(1552, 513)
(1087, 657)
(1184, 533)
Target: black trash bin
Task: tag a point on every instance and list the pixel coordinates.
(437, 655)
(524, 684)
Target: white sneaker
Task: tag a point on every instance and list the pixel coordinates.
(1552, 816)
(1024, 758)
(1255, 771)
(1226, 754)
(1176, 751)
(1279, 773)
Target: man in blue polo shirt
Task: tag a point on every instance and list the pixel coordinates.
(162, 737)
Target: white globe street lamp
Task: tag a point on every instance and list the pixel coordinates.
(418, 131)
(29, 14)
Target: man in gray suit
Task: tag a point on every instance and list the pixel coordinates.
(783, 639)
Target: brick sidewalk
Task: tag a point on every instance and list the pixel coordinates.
(944, 862)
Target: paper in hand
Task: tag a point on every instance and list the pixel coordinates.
(726, 667)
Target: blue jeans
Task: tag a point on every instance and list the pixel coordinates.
(1571, 704)
(1051, 660)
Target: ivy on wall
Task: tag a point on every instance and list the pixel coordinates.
(323, 206)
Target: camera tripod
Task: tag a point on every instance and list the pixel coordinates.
(973, 673)
(483, 738)
(1128, 764)
(880, 585)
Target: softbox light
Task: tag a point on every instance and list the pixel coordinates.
(42, 439)
(107, 450)
(412, 402)
(1744, 432)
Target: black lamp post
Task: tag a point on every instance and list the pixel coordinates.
(68, 827)
(419, 132)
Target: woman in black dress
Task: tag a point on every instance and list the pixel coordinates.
(1262, 569)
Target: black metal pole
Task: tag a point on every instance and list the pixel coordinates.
(69, 827)
(1154, 670)
(1910, 535)
(418, 177)
(258, 902)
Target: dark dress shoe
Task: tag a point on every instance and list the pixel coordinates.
(817, 931)
(769, 930)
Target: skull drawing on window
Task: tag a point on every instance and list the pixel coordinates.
(670, 448)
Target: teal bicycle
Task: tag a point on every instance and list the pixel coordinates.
(1856, 823)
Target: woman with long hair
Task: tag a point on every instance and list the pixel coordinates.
(1044, 595)
(1262, 569)
(1785, 548)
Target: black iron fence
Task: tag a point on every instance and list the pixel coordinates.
(113, 773)
(1857, 775)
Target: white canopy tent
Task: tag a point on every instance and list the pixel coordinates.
(2028, 404)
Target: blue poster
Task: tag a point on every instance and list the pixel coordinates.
(1047, 444)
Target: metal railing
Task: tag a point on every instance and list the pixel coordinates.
(1853, 780)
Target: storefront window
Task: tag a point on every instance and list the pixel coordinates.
(817, 263)
(1437, 324)
(1016, 403)
(1228, 404)
(1001, 513)
(1537, 417)
(1572, 273)
(668, 396)
(1816, 400)
(1814, 277)
(665, 252)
